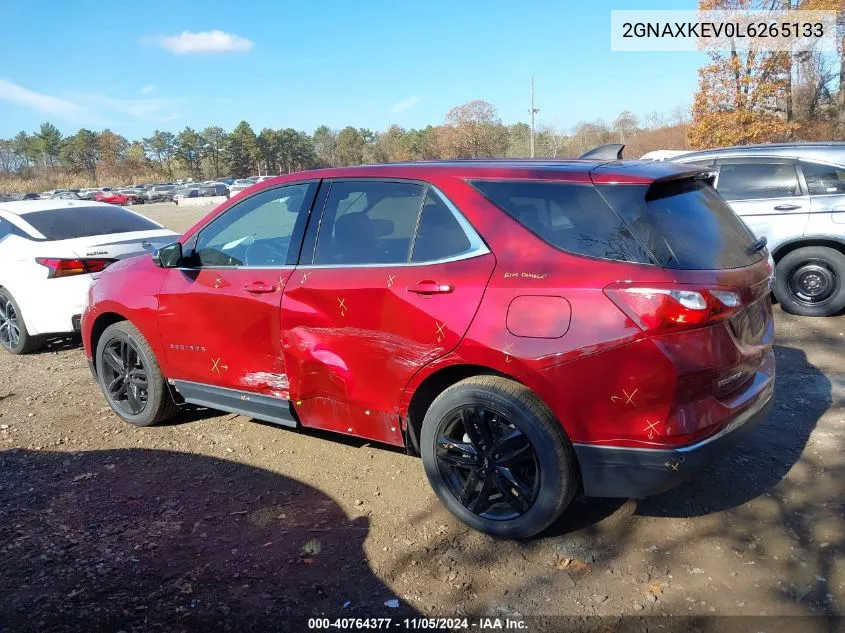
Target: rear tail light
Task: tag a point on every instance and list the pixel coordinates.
(671, 307)
(70, 267)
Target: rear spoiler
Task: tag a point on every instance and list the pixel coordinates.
(612, 151)
(640, 173)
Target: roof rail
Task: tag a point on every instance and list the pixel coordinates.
(611, 151)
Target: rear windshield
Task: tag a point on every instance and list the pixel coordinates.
(681, 224)
(684, 224)
(572, 217)
(73, 222)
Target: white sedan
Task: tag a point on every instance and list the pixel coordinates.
(50, 250)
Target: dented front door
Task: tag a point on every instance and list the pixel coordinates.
(220, 314)
(227, 331)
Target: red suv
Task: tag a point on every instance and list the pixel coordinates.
(534, 330)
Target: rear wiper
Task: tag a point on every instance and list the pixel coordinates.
(759, 244)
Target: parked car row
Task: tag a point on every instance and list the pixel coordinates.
(139, 194)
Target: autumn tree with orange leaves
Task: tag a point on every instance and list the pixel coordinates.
(741, 94)
(748, 96)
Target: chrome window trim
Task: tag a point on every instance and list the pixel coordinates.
(477, 246)
(445, 260)
(201, 268)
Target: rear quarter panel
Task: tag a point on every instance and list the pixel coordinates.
(827, 216)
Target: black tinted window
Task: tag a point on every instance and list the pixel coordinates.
(73, 222)
(684, 224)
(439, 234)
(823, 179)
(572, 217)
(263, 230)
(750, 181)
(368, 223)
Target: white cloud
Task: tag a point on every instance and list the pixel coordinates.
(45, 104)
(91, 108)
(405, 104)
(145, 90)
(215, 41)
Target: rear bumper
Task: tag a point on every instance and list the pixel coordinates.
(638, 472)
(60, 311)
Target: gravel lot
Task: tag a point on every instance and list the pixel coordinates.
(218, 522)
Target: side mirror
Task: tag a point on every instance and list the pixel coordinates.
(169, 256)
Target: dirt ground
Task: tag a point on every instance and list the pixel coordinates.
(217, 522)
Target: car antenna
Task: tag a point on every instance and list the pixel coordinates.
(611, 151)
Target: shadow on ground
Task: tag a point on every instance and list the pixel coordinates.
(57, 343)
(156, 540)
(756, 465)
(760, 530)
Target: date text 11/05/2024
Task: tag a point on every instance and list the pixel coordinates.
(417, 624)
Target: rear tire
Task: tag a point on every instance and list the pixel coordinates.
(14, 337)
(810, 281)
(131, 378)
(510, 488)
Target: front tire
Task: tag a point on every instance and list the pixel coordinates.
(810, 281)
(131, 378)
(14, 337)
(497, 458)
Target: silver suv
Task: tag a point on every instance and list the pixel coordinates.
(794, 195)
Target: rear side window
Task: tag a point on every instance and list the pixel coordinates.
(684, 224)
(823, 179)
(572, 217)
(439, 234)
(753, 181)
(73, 222)
(368, 222)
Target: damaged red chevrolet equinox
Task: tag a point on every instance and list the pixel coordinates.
(534, 330)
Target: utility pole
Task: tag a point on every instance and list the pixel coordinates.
(532, 112)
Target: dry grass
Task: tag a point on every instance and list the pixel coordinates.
(58, 180)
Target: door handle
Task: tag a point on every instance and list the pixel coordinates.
(259, 287)
(430, 288)
(787, 207)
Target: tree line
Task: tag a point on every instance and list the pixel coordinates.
(743, 97)
(473, 130)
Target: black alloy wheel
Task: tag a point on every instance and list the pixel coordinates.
(488, 463)
(124, 376)
(497, 457)
(130, 376)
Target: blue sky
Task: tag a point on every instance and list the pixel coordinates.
(128, 66)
